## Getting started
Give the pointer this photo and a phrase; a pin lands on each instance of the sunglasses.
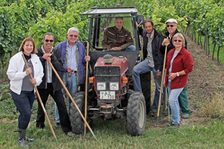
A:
(177, 40)
(73, 35)
(49, 40)
(170, 26)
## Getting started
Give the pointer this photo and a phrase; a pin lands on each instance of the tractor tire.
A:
(136, 114)
(75, 118)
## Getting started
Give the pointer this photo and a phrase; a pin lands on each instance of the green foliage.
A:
(159, 11)
(204, 17)
(58, 22)
(15, 21)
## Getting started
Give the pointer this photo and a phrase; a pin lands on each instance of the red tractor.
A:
(110, 86)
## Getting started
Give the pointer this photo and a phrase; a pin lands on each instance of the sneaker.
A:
(23, 143)
(58, 124)
(29, 139)
(40, 125)
(70, 134)
(173, 125)
(185, 115)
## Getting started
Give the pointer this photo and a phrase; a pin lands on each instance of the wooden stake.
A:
(161, 84)
(73, 101)
(86, 87)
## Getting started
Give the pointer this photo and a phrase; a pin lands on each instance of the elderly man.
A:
(50, 85)
(171, 25)
(71, 55)
(117, 37)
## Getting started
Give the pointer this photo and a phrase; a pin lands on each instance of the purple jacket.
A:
(60, 53)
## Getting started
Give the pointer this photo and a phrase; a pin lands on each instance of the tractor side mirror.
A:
(140, 19)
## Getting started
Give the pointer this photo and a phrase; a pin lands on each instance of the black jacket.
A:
(156, 47)
(55, 82)
(171, 46)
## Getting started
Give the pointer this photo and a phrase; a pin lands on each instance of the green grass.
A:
(111, 134)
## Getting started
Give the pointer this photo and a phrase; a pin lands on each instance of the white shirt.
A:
(49, 69)
(16, 74)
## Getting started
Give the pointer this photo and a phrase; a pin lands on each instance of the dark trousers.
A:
(24, 103)
(183, 101)
(59, 99)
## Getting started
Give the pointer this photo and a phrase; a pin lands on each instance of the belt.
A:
(73, 71)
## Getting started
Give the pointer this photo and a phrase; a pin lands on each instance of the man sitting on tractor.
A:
(118, 38)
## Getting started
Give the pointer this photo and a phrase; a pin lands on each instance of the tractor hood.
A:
(111, 61)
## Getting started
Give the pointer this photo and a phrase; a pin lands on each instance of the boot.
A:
(22, 138)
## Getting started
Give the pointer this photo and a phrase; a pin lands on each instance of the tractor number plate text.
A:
(107, 94)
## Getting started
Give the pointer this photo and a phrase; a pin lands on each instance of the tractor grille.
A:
(107, 71)
(107, 75)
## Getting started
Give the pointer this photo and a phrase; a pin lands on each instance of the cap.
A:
(171, 21)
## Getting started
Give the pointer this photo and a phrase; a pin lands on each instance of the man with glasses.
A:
(71, 56)
(171, 26)
(50, 86)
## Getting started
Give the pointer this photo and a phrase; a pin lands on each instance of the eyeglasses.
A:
(73, 35)
(170, 26)
(177, 40)
(49, 40)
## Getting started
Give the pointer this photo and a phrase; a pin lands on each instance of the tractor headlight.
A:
(101, 86)
(114, 86)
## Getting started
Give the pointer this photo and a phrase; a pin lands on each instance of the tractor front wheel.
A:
(75, 117)
(136, 114)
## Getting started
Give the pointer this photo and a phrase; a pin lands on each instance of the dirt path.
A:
(206, 79)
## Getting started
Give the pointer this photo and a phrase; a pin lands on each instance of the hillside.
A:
(207, 78)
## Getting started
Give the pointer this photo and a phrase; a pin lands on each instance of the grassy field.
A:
(112, 134)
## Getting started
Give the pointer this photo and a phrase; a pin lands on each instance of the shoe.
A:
(185, 115)
(165, 113)
(70, 134)
(29, 139)
(173, 125)
(58, 124)
(23, 143)
(153, 113)
(40, 125)
(22, 138)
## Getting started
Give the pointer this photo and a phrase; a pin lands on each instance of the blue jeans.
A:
(174, 104)
(24, 103)
(70, 80)
(130, 48)
(138, 69)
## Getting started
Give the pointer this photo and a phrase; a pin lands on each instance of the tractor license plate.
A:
(107, 94)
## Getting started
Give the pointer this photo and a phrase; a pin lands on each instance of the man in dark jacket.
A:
(171, 25)
(51, 85)
(152, 41)
(118, 38)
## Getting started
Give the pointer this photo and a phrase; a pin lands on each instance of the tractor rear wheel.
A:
(75, 117)
(136, 114)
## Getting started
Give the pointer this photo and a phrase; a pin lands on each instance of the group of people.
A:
(179, 62)
(28, 71)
